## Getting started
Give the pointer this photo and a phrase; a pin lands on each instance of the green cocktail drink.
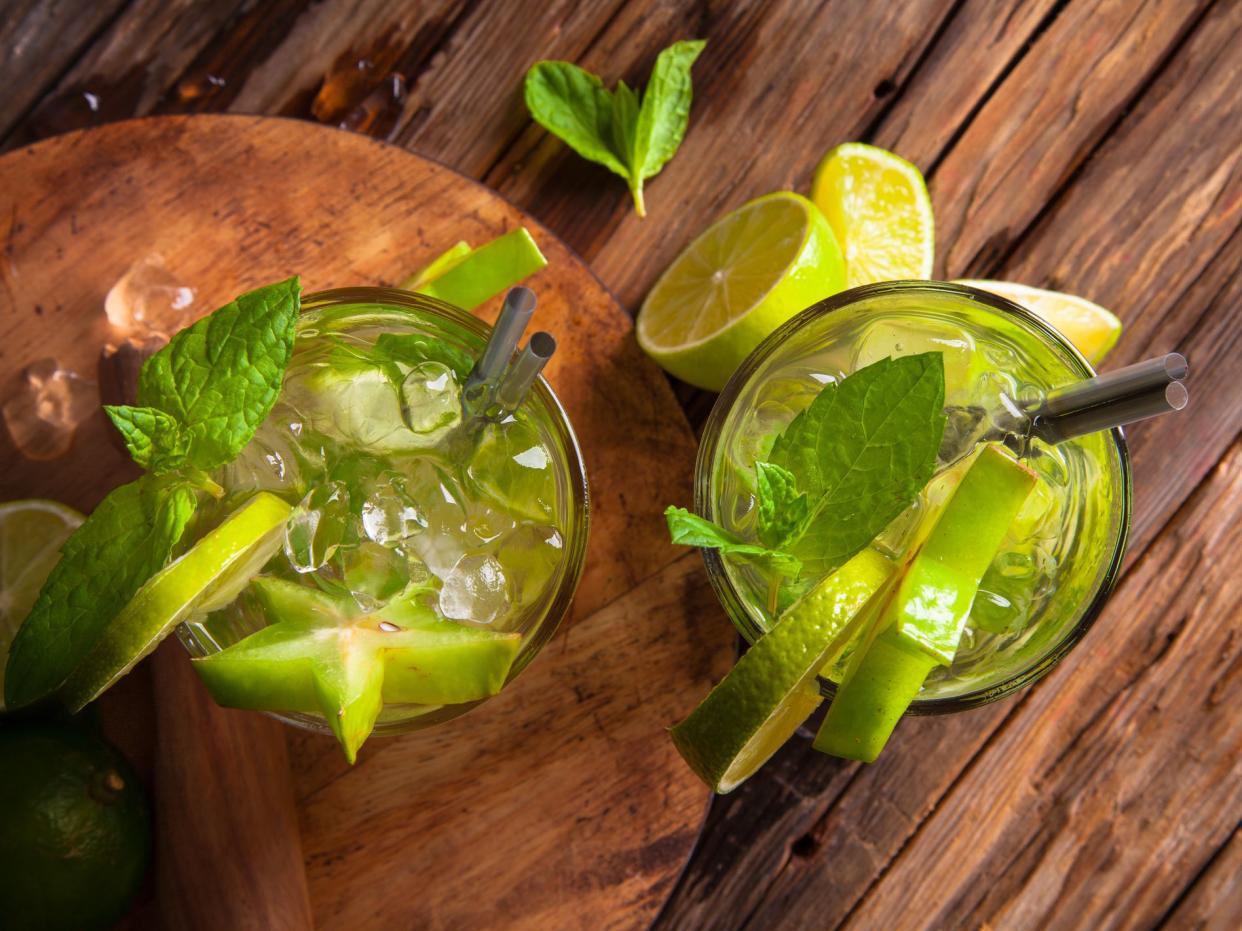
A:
(427, 558)
(1060, 554)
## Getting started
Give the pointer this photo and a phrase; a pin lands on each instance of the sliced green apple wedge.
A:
(924, 621)
(325, 655)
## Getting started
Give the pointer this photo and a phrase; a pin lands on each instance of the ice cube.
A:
(442, 502)
(475, 590)
(373, 573)
(430, 399)
(530, 555)
(50, 403)
(274, 459)
(512, 466)
(149, 300)
(885, 338)
(317, 527)
(389, 515)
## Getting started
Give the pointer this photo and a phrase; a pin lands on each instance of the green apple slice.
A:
(929, 610)
(208, 576)
(325, 655)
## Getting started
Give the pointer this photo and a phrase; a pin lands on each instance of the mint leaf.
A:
(630, 134)
(125, 541)
(220, 377)
(862, 451)
(691, 530)
(154, 439)
(411, 349)
(781, 509)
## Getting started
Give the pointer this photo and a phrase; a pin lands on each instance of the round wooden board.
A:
(559, 804)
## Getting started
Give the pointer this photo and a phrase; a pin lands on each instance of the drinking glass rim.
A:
(735, 605)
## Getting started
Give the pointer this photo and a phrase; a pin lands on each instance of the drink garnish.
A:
(630, 134)
(200, 399)
(467, 277)
(924, 621)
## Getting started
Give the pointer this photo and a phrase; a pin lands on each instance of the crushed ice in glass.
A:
(475, 589)
(317, 527)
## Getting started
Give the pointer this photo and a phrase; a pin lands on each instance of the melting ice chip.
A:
(389, 515)
(47, 409)
(475, 589)
(317, 527)
(148, 300)
(430, 399)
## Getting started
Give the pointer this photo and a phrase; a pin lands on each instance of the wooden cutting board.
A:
(559, 804)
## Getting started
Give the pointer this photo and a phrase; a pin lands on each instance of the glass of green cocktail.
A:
(1061, 553)
(442, 550)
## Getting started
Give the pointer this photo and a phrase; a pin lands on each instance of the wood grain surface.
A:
(566, 780)
(1088, 145)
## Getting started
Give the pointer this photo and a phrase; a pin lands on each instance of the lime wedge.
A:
(772, 689)
(742, 278)
(879, 208)
(929, 609)
(31, 535)
(469, 280)
(208, 576)
(1092, 329)
(447, 259)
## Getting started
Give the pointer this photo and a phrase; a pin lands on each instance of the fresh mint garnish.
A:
(630, 134)
(862, 450)
(217, 380)
(782, 509)
(842, 470)
(125, 541)
(200, 399)
(691, 530)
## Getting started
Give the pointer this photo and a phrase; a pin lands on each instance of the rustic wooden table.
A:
(1086, 145)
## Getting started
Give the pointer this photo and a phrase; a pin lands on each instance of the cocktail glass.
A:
(391, 486)
(1045, 588)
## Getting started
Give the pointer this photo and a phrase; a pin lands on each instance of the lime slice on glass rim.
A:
(742, 278)
(880, 211)
(769, 693)
(31, 535)
(207, 576)
(1093, 330)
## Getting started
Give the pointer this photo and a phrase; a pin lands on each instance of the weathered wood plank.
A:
(1104, 792)
(38, 40)
(1043, 121)
(1214, 902)
(775, 88)
(793, 822)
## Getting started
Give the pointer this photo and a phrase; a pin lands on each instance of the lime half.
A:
(772, 689)
(1092, 329)
(31, 535)
(879, 208)
(208, 576)
(746, 275)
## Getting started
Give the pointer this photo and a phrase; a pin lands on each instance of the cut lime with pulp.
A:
(879, 208)
(1092, 329)
(929, 609)
(741, 279)
(772, 689)
(208, 576)
(31, 535)
(468, 279)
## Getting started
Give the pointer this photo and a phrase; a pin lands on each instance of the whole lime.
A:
(75, 830)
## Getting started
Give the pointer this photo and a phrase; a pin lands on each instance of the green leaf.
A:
(411, 349)
(154, 439)
(691, 530)
(781, 508)
(862, 451)
(127, 539)
(574, 106)
(633, 138)
(220, 377)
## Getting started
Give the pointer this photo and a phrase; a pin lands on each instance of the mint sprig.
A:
(631, 134)
(125, 541)
(842, 470)
(200, 400)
